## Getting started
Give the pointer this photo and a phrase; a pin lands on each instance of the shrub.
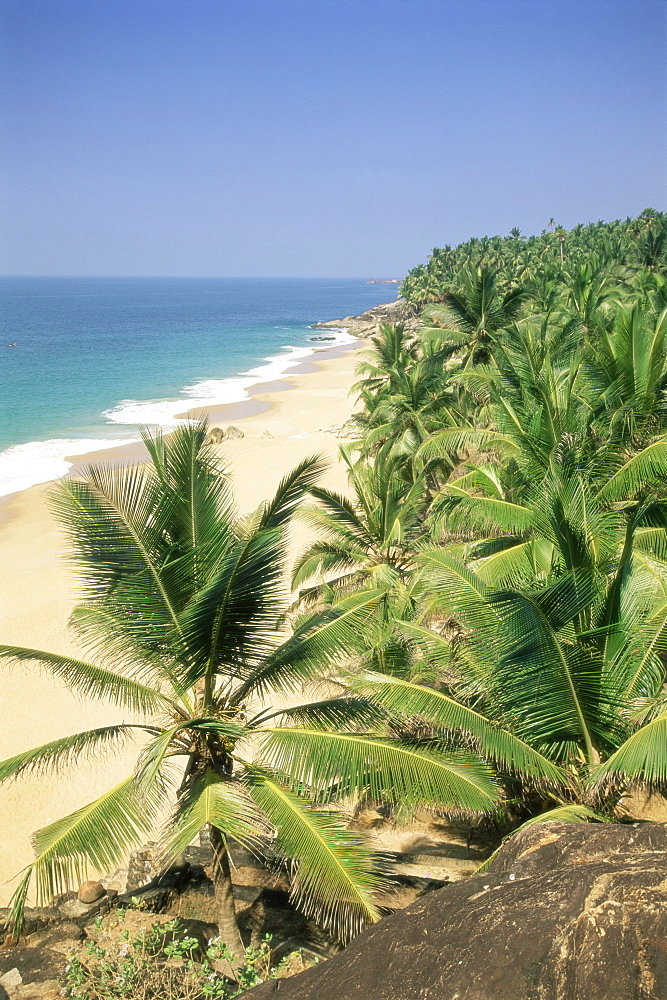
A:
(163, 963)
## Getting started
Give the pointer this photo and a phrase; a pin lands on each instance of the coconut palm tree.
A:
(589, 699)
(474, 311)
(558, 523)
(183, 601)
(370, 539)
(393, 350)
(624, 377)
(650, 250)
(415, 403)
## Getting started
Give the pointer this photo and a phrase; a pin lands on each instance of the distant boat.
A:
(12, 345)
(386, 281)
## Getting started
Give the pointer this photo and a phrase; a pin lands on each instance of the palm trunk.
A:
(228, 926)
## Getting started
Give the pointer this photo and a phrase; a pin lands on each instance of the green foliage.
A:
(539, 577)
(184, 602)
(541, 262)
(491, 598)
(163, 963)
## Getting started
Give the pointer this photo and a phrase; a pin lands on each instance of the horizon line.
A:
(214, 277)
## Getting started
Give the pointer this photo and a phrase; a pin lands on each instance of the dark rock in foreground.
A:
(567, 911)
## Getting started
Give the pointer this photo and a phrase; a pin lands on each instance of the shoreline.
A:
(31, 463)
(284, 421)
(219, 413)
(43, 459)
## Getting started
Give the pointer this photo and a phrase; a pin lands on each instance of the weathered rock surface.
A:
(11, 978)
(566, 912)
(30, 972)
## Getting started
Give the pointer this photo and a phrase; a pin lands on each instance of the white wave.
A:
(215, 392)
(25, 465)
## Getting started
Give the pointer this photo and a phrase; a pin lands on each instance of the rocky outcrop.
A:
(367, 324)
(566, 911)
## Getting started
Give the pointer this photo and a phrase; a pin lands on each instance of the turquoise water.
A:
(97, 357)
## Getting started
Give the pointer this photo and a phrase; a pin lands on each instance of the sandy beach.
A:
(282, 423)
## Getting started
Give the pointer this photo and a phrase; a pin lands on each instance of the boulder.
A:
(218, 434)
(233, 433)
(566, 911)
(90, 892)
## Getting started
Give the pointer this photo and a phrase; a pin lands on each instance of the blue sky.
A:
(318, 137)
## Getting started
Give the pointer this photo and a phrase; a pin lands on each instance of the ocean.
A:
(96, 358)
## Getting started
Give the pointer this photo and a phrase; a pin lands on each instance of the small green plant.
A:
(163, 963)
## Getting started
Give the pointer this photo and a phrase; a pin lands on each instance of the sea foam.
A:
(25, 465)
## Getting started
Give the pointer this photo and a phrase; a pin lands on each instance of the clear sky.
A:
(318, 137)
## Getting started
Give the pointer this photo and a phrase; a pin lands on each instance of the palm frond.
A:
(549, 686)
(512, 566)
(196, 509)
(384, 770)
(409, 699)
(452, 440)
(291, 491)
(212, 799)
(325, 557)
(62, 753)
(316, 645)
(96, 836)
(329, 713)
(641, 760)
(92, 681)
(485, 513)
(459, 590)
(651, 463)
(233, 617)
(334, 876)
(115, 522)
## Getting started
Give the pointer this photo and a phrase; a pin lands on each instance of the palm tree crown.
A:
(183, 606)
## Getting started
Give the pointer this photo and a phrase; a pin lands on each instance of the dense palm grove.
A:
(488, 601)
(527, 414)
